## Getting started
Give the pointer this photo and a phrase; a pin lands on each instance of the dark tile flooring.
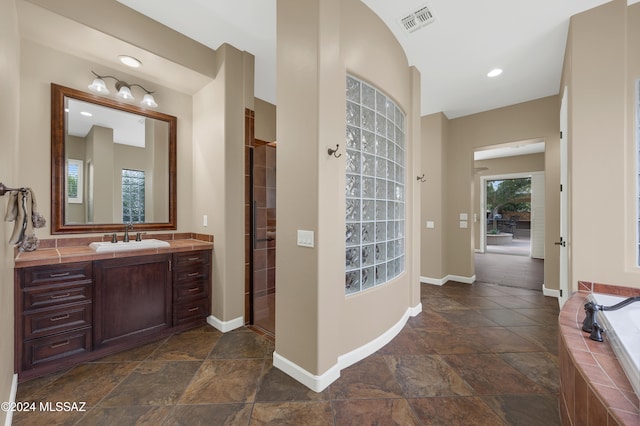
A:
(478, 354)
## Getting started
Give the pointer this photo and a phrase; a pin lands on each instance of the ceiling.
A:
(510, 149)
(453, 53)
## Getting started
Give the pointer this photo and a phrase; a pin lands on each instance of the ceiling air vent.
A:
(417, 19)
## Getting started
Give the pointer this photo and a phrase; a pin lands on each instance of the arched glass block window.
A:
(375, 188)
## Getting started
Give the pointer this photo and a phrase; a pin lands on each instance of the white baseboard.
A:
(12, 398)
(319, 383)
(552, 292)
(442, 281)
(225, 326)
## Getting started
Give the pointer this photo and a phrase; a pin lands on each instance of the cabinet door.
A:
(132, 298)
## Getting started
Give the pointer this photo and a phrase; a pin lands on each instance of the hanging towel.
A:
(23, 210)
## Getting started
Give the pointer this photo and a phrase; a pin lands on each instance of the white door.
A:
(537, 215)
(564, 202)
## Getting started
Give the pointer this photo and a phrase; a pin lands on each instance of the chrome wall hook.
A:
(334, 151)
(421, 178)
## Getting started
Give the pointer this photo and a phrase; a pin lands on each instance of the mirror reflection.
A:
(116, 166)
(112, 163)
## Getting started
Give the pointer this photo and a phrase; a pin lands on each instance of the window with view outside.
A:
(74, 181)
(375, 188)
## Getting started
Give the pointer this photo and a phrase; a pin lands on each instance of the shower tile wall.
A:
(249, 120)
(264, 195)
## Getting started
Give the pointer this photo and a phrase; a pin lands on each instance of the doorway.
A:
(263, 236)
(495, 263)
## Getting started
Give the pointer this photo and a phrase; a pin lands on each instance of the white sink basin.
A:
(107, 247)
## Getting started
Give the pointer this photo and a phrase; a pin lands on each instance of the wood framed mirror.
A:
(111, 163)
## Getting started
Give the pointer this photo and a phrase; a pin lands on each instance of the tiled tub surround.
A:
(65, 250)
(594, 388)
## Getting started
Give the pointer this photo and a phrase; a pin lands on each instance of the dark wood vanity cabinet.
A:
(55, 307)
(132, 298)
(191, 284)
(74, 312)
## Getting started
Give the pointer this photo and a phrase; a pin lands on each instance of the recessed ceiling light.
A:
(494, 72)
(130, 61)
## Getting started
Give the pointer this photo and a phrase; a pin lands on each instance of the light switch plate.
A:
(305, 238)
(430, 224)
(464, 224)
(464, 216)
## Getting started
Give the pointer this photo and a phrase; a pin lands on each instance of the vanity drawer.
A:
(191, 259)
(46, 296)
(192, 274)
(46, 349)
(194, 290)
(189, 311)
(58, 273)
(57, 320)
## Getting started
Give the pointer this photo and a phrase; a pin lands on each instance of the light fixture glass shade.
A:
(125, 93)
(148, 101)
(99, 86)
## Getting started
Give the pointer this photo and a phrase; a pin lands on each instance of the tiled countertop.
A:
(65, 250)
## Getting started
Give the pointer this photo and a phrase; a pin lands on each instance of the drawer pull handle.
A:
(60, 318)
(193, 309)
(191, 290)
(57, 345)
(193, 274)
(193, 259)
(61, 274)
(60, 296)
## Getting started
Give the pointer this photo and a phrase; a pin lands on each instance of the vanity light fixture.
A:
(123, 88)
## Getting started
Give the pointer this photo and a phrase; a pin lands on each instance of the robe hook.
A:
(421, 178)
(334, 151)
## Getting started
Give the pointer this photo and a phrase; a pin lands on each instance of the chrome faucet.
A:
(127, 227)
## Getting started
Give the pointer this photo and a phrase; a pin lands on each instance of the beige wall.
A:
(538, 119)
(432, 240)
(601, 68)
(218, 175)
(9, 87)
(265, 121)
(315, 322)
(501, 166)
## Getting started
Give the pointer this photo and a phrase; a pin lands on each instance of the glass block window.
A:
(375, 188)
(132, 196)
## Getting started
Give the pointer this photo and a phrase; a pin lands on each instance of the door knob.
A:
(562, 242)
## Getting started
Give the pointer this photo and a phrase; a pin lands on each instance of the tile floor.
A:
(478, 354)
